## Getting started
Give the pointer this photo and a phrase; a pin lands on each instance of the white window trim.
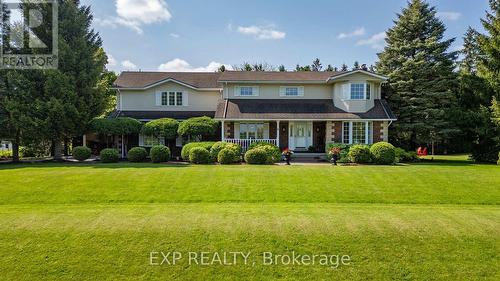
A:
(349, 98)
(300, 91)
(255, 91)
(160, 98)
(368, 137)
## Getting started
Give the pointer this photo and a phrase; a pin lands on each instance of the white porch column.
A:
(123, 146)
(223, 134)
(278, 132)
(84, 140)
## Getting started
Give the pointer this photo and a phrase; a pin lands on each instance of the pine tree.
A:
(330, 68)
(421, 76)
(344, 67)
(316, 65)
(356, 65)
(281, 68)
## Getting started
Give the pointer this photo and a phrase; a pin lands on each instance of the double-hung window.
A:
(251, 131)
(246, 91)
(360, 91)
(291, 91)
(357, 133)
(172, 98)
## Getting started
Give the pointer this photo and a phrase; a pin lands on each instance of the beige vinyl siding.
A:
(272, 91)
(138, 100)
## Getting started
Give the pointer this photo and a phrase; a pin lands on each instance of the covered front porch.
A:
(297, 135)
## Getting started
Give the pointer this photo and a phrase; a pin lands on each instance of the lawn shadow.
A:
(94, 165)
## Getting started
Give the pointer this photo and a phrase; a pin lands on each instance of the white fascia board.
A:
(333, 78)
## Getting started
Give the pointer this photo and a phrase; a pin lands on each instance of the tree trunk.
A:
(58, 150)
(15, 148)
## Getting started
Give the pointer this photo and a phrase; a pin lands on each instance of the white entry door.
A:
(300, 135)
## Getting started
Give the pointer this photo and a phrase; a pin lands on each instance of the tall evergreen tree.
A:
(316, 65)
(330, 68)
(421, 76)
(281, 68)
(344, 67)
(355, 66)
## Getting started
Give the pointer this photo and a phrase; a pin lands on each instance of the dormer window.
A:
(357, 91)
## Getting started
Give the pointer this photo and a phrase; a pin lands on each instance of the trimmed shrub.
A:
(403, 156)
(5, 154)
(115, 126)
(228, 156)
(159, 154)
(219, 146)
(359, 154)
(257, 156)
(186, 148)
(274, 152)
(198, 126)
(165, 127)
(199, 155)
(110, 155)
(137, 154)
(383, 153)
(81, 153)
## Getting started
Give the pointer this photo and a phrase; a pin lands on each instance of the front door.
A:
(300, 135)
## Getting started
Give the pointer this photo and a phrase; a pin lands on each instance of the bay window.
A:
(357, 132)
(360, 91)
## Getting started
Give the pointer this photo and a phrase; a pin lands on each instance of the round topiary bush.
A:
(383, 153)
(359, 154)
(81, 153)
(273, 152)
(187, 147)
(228, 156)
(219, 146)
(257, 156)
(159, 154)
(199, 155)
(137, 154)
(110, 155)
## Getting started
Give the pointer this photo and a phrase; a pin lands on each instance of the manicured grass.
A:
(428, 221)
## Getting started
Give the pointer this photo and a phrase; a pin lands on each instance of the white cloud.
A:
(261, 32)
(174, 35)
(180, 65)
(135, 13)
(128, 65)
(451, 16)
(358, 32)
(376, 41)
(111, 61)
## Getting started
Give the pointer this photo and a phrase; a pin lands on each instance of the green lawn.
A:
(436, 220)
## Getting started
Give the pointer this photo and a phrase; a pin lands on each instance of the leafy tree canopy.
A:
(115, 126)
(165, 127)
(198, 126)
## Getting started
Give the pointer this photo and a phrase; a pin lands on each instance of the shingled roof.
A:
(300, 76)
(274, 109)
(140, 80)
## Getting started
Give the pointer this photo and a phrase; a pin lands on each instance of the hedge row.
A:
(381, 153)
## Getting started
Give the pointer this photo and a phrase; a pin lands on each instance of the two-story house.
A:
(298, 110)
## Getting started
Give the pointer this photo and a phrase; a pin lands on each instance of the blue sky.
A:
(199, 35)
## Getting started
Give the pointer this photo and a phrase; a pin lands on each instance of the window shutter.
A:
(301, 91)
(345, 91)
(185, 99)
(282, 91)
(255, 91)
(158, 99)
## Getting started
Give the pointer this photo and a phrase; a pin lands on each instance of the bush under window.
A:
(199, 155)
(137, 154)
(109, 155)
(228, 156)
(219, 146)
(187, 147)
(257, 156)
(274, 153)
(160, 153)
(383, 153)
(359, 154)
(81, 153)
(344, 151)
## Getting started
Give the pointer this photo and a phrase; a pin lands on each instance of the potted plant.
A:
(335, 153)
(287, 154)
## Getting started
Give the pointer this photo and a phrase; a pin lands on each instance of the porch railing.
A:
(245, 144)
